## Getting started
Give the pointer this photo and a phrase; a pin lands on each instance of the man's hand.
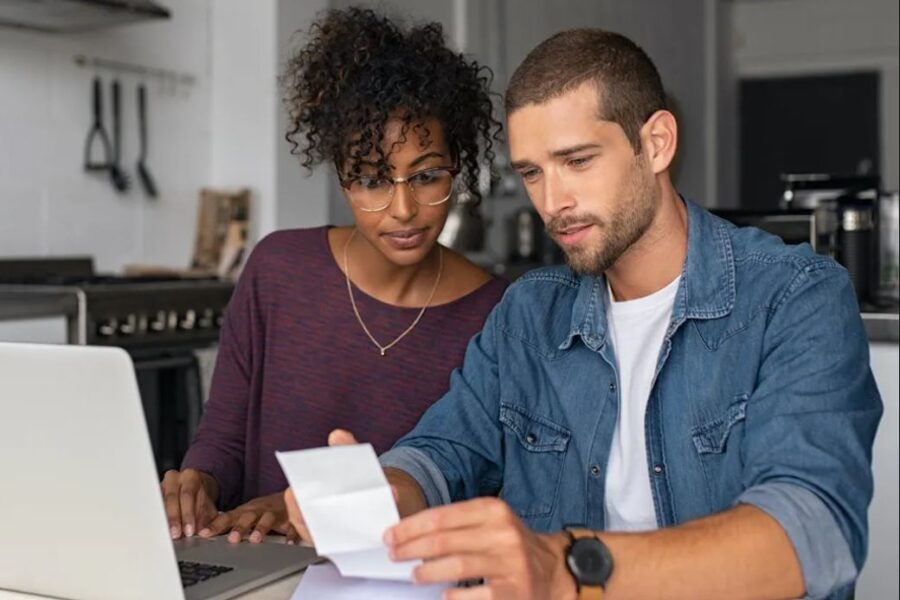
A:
(483, 538)
(253, 521)
(190, 498)
(338, 437)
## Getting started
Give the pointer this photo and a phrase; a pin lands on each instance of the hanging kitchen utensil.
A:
(143, 172)
(120, 179)
(97, 132)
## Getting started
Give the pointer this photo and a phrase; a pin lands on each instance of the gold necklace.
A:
(384, 349)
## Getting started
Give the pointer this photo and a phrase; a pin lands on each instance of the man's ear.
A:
(659, 140)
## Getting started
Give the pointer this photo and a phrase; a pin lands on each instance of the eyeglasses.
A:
(429, 187)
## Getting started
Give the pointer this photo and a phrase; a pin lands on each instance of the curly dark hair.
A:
(359, 68)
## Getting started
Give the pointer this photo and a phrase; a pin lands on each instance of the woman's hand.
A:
(254, 520)
(190, 499)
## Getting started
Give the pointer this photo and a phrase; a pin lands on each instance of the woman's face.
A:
(406, 231)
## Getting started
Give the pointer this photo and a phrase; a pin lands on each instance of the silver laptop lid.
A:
(82, 511)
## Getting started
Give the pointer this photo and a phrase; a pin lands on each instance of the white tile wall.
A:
(48, 204)
(24, 209)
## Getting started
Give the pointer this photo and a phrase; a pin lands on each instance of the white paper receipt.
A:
(347, 504)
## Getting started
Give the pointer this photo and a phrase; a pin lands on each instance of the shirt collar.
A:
(706, 289)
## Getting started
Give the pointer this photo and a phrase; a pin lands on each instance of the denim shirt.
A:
(762, 395)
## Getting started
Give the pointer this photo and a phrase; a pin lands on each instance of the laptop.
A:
(82, 512)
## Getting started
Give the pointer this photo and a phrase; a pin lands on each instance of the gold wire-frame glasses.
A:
(373, 193)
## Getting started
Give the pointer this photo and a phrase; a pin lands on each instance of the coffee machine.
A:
(846, 222)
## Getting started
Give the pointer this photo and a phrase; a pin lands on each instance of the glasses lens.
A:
(432, 186)
(370, 193)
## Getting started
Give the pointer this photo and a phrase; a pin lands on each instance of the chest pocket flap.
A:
(534, 432)
(712, 437)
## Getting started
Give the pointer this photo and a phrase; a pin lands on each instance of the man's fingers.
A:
(293, 509)
(217, 526)
(451, 516)
(296, 517)
(481, 592)
(456, 541)
(458, 567)
(265, 523)
(304, 534)
(341, 437)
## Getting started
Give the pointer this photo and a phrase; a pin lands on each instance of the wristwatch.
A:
(589, 561)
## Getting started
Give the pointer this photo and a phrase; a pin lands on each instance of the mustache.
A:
(557, 225)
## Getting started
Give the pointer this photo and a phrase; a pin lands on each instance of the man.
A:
(696, 398)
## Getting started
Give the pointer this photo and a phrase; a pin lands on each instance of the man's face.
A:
(596, 197)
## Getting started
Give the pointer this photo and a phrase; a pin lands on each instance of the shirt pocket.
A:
(534, 452)
(718, 444)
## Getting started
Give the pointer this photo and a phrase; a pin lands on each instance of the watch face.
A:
(590, 562)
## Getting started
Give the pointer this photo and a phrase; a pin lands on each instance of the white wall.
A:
(251, 41)
(793, 37)
(224, 130)
(48, 204)
(243, 117)
(301, 198)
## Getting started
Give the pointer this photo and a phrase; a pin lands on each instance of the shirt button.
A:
(595, 470)
(531, 438)
(658, 469)
(612, 386)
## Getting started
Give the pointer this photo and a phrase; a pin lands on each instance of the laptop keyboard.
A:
(193, 573)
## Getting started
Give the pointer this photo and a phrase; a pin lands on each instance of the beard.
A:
(631, 218)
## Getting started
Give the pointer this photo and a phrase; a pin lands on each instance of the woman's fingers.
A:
(171, 488)
(242, 526)
(265, 523)
(218, 526)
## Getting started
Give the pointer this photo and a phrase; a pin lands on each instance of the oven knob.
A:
(189, 320)
(220, 318)
(107, 327)
(129, 325)
(172, 320)
(207, 319)
(158, 323)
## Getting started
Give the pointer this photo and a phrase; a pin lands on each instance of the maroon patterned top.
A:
(294, 364)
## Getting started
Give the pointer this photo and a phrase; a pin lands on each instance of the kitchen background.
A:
(760, 87)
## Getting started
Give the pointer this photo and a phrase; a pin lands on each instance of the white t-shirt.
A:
(637, 329)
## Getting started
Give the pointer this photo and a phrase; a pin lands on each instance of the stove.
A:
(131, 312)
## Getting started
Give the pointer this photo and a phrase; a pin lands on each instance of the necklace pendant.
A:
(382, 351)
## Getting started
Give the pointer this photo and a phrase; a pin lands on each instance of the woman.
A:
(348, 327)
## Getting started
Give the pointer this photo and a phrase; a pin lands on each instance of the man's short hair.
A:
(628, 85)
